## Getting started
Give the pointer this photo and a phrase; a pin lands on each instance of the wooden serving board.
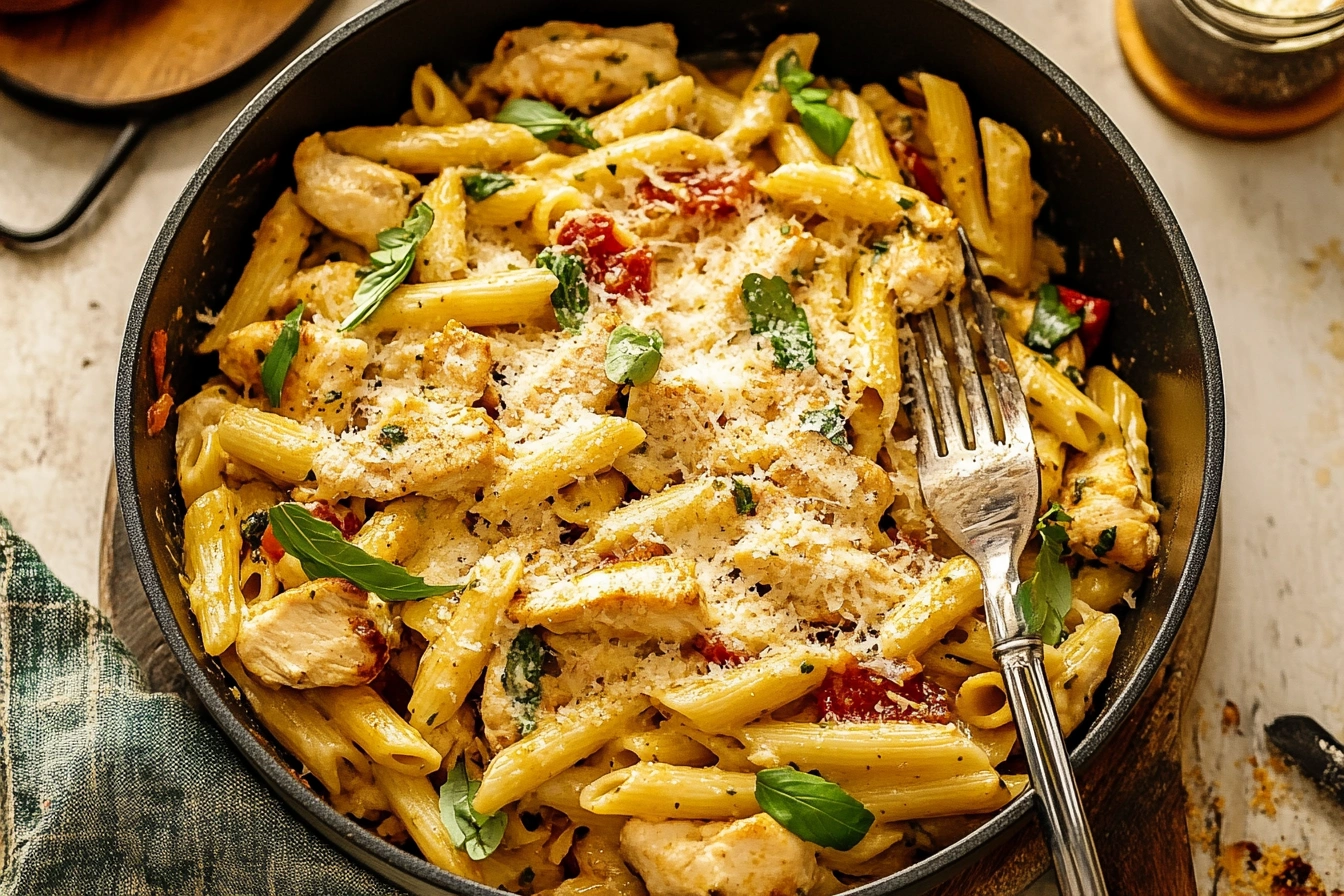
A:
(1133, 789)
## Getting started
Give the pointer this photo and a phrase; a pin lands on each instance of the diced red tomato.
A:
(718, 195)
(340, 517)
(912, 161)
(609, 262)
(859, 694)
(271, 547)
(718, 653)
(162, 407)
(1095, 312)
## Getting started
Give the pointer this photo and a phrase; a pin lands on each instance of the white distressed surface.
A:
(1265, 222)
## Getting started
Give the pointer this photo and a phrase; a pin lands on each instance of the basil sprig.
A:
(570, 298)
(828, 421)
(744, 499)
(324, 553)
(1046, 598)
(484, 184)
(633, 357)
(813, 808)
(773, 312)
(473, 832)
(824, 124)
(276, 366)
(545, 122)
(522, 676)
(390, 264)
(1051, 322)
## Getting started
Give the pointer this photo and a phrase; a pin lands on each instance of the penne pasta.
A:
(658, 790)
(366, 719)
(427, 149)
(211, 545)
(509, 297)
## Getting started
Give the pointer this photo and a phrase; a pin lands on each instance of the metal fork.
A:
(984, 491)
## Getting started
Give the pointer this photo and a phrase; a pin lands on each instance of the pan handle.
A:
(46, 236)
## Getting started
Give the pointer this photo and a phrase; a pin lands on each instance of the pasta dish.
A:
(554, 506)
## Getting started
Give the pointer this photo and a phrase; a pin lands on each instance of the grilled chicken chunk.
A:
(325, 633)
(352, 197)
(754, 856)
(1111, 519)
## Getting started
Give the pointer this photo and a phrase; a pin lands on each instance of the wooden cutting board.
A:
(1133, 789)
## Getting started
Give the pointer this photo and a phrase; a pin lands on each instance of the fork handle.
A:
(1061, 808)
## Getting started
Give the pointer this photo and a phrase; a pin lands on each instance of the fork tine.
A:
(1012, 404)
(917, 392)
(982, 424)
(949, 411)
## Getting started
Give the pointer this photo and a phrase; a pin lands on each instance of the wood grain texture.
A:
(112, 53)
(1133, 790)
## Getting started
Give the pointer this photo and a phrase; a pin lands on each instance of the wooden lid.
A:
(1203, 112)
(114, 58)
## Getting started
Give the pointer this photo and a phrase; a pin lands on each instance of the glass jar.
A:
(1248, 52)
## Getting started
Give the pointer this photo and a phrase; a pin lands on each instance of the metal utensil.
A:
(1316, 752)
(984, 492)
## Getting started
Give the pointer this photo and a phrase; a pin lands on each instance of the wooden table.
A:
(1265, 221)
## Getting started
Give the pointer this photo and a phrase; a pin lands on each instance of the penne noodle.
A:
(426, 149)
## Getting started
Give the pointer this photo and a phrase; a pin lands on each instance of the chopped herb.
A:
(806, 668)
(1078, 485)
(828, 421)
(633, 357)
(474, 832)
(286, 346)
(1046, 598)
(324, 553)
(570, 298)
(651, 79)
(813, 808)
(391, 436)
(391, 262)
(545, 122)
(905, 204)
(773, 312)
(332, 396)
(785, 230)
(485, 184)
(522, 676)
(616, 58)
(611, 168)
(254, 526)
(881, 248)
(873, 177)
(744, 499)
(597, 76)
(1051, 322)
(526, 876)
(1105, 542)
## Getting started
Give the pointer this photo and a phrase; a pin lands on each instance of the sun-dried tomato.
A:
(859, 694)
(718, 195)
(162, 407)
(718, 653)
(271, 546)
(340, 517)
(912, 161)
(608, 261)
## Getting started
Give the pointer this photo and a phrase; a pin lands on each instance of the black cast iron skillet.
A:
(1161, 330)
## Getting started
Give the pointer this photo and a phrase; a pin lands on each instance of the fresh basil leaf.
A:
(391, 436)
(1105, 542)
(633, 357)
(790, 74)
(324, 553)
(473, 832)
(522, 676)
(545, 122)
(484, 184)
(828, 421)
(812, 808)
(743, 498)
(1051, 322)
(826, 126)
(773, 312)
(390, 264)
(1046, 598)
(276, 366)
(570, 298)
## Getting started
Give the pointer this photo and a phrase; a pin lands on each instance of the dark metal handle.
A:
(36, 239)
(1062, 816)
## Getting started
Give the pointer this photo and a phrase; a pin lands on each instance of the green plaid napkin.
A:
(106, 788)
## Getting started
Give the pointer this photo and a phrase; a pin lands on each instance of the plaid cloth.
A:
(106, 788)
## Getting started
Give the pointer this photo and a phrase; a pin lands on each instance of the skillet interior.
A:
(1161, 331)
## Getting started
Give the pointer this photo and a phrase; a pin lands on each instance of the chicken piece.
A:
(325, 370)
(547, 388)
(582, 66)
(325, 633)
(418, 447)
(851, 491)
(656, 598)
(352, 197)
(327, 290)
(454, 363)
(1102, 495)
(921, 269)
(753, 856)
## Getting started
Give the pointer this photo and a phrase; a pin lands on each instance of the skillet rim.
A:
(352, 837)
